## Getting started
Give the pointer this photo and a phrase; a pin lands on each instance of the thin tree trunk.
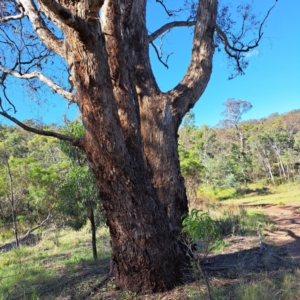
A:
(93, 229)
(12, 204)
(265, 163)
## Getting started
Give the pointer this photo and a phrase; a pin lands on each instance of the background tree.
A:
(233, 112)
(189, 145)
(8, 189)
(79, 200)
(79, 196)
(131, 127)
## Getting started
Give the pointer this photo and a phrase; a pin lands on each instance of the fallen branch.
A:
(28, 237)
(49, 217)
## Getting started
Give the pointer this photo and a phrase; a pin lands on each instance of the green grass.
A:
(282, 286)
(45, 271)
(254, 194)
(30, 271)
(239, 213)
(237, 220)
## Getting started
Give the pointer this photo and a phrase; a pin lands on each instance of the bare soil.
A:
(245, 258)
(287, 234)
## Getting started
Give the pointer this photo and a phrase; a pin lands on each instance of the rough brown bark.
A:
(131, 143)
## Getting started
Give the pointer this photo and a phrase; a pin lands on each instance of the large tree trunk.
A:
(130, 127)
(145, 251)
(131, 140)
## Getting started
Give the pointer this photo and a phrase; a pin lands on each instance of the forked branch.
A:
(159, 55)
(191, 87)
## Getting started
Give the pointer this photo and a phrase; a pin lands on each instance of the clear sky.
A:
(271, 83)
(272, 79)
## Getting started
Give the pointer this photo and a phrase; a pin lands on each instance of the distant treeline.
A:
(235, 153)
(40, 175)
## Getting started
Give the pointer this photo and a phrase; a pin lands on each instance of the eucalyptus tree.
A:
(233, 112)
(130, 125)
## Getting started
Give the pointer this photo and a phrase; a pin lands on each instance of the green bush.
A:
(200, 226)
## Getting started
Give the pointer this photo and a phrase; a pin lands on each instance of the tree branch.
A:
(56, 88)
(75, 141)
(188, 91)
(41, 29)
(169, 12)
(12, 18)
(249, 46)
(62, 13)
(49, 217)
(236, 52)
(160, 55)
(165, 8)
(169, 26)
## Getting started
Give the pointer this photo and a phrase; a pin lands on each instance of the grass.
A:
(254, 194)
(241, 213)
(44, 269)
(237, 220)
(282, 286)
(286, 194)
(61, 264)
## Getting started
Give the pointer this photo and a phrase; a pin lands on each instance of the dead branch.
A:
(43, 223)
(159, 55)
(75, 141)
(56, 88)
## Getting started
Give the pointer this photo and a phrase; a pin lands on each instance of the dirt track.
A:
(287, 233)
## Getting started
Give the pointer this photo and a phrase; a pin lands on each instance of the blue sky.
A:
(272, 79)
(271, 83)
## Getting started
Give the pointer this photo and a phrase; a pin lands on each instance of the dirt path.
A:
(287, 233)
